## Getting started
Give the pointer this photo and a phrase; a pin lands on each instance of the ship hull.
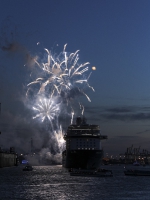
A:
(84, 159)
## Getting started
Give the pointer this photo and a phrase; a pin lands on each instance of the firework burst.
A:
(46, 108)
(62, 76)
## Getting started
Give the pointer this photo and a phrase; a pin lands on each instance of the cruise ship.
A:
(83, 146)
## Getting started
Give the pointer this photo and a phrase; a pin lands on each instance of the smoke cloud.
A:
(16, 124)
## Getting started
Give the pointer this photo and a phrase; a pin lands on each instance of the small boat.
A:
(140, 171)
(91, 173)
(136, 163)
(28, 168)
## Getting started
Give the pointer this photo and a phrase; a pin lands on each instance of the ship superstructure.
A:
(83, 146)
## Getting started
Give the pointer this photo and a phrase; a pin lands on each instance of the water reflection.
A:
(54, 182)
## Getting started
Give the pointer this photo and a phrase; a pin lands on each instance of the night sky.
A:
(113, 35)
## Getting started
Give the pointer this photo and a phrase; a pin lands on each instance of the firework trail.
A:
(59, 137)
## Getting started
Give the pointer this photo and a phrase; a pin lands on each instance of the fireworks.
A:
(46, 109)
(62, 76)
(93, 68)
(60, 79)
(59, 137)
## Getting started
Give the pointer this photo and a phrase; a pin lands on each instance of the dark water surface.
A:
(54, 182)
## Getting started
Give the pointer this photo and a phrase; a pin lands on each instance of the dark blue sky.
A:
(112, 35)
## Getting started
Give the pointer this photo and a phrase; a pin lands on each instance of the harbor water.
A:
(54, 182)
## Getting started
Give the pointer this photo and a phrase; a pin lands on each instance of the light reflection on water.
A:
(54, 182)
